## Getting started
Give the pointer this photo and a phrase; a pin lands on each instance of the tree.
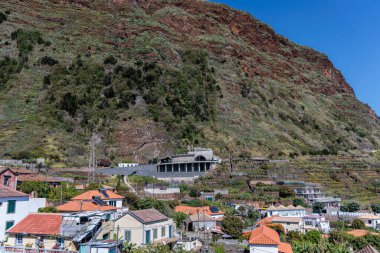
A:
(178, 218)
(313, 236)
(253, 215)
(232, 225)
(40, 189)
(293, 236)
(375, 208)
(286, 192)
(351, 206)
(48, 209)
(358, 224)
(194, 194)
(317, 207)
(299, 202)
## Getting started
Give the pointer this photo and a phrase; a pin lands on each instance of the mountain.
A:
(152, 77)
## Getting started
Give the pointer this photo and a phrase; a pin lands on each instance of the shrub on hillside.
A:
(110, 60)
(358, 224)
(47, 60)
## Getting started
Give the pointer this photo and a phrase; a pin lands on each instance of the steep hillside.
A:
(151, 77)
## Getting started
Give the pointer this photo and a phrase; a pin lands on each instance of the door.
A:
(147, 237)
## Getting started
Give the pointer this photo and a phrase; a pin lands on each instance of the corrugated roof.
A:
(368, 249)
(9, 192)
(148, 215)
(38, 224)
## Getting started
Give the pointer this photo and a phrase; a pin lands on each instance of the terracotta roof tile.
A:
(76, 206)
(264, 236)
(38, 224)
(193, 210)
(284, 248)
(9, 192)
(360, 232)
(286, 219)
(148, 215)
(89, 194)
(266, 220)
(39, 178)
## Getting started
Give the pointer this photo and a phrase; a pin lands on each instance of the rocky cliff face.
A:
(186, 73)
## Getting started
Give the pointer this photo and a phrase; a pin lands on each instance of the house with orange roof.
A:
(93, 200)
(211, 211)
(267, 240)
(58, 231)
(106, 195)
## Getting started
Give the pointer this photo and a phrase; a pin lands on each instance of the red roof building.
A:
(93, 200)
(103, 194)
(204, 209)
(83, 206)
(264, 239)
(38, 224)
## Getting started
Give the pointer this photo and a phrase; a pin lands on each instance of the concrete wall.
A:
(292, 226)
(287, 213)
(24, 206)
(162, 191)
(202, 225)
(263, 249)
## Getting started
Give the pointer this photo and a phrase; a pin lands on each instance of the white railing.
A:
(20, 249)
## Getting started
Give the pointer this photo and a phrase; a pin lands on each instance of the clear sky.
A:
(348, 31)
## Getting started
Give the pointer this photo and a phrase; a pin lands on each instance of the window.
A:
(6, 180)
(106, 236)
(155, 234)
(11, 206)
(209, 198)
(163, 232)
(18, 239)
(170, 231)
(112, 203)
(127, 235)
(9, 224)
(60, 242)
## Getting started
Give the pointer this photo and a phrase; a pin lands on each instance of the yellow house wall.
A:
(127, 222)
(31, 240)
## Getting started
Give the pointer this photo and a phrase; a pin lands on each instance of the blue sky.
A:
(348, 31)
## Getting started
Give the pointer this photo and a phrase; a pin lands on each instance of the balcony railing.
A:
(20, 249)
